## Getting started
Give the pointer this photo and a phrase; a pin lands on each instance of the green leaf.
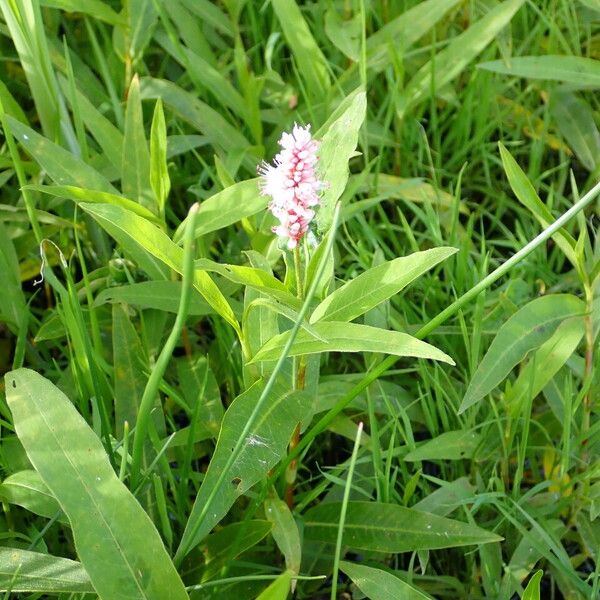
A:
(160, 295)
(404, 30)
(26, 489)
(575, 121)
(222, 547)
(545, 363)
(451, 61)
(115, 539)
(527, 195)
(390, 528)
(577, 70)
(204, 118)
(526, 330)
(312, 65)
(337, 147)
(13, 307)
(376, 285)
(265, 445)
(135, 169)
(78, 194)
(95, 8)
(24, 571)
(151, 244)
(257, 279)
(285, 532)
(279, 589)
(225, 208)
(532, 591)
(450, 445)
(381, 585)
(62, 167)
(350, 337)
(159, 171)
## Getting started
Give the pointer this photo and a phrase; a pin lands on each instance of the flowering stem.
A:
(300, 374)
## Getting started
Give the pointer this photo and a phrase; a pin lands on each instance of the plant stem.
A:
(300, 374)
(151, 389)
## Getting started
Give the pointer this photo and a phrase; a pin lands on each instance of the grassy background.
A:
(232, 76)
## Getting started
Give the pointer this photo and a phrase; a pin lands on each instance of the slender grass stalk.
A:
(151, 390)
(346, 498)
(185, 548)
(438, 320)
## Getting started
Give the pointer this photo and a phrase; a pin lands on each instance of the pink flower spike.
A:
(292, 183)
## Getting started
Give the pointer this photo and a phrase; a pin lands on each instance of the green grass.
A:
(189, 410)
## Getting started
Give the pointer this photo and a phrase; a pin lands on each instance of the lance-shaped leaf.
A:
(390, 528)
(526, 330)
(265, 445)
(350, 337)
(376, 285)
(147, 242)
(381, 585)
(339, 144)
(567, 69)
(115, 539)
(24, 571)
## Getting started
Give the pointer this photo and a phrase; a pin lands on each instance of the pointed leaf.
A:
(381, 585)
(378, 527)
(450, 445)
(526, 330)
(376, 285)
(263, 448)
(115, 539)
(350, 337)
(25, 571)
(146, 240)
(577, 70)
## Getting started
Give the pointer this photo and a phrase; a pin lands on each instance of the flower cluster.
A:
(292, 184)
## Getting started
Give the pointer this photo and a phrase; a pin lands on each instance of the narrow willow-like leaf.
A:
(376, 285)
(545, 363)
(62, 167)
(159, 171)
(527, 195)
(574, 119)
(263, 448)
(134, 232)
(337, 147)
(451, 61)
(285, 532)
(78, 194)
(115, 539)
(135, 169)
(526, 330)
(161, 295)
(225, 208)
(576, 70)
(350, 337)
(390, 528)
(450, 445)
(381, 585)
(25, 571)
